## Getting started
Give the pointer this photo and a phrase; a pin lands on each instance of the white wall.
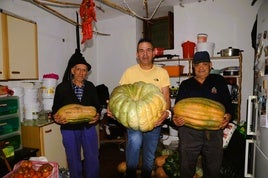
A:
(227, 23)
(115, 52)
(56, 38)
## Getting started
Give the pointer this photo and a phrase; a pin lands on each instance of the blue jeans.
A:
(147, 141)
(86, 138)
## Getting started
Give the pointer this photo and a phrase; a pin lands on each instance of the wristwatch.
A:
(169, 114)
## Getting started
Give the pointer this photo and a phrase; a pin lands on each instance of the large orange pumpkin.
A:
(200, 113)
(75, 113)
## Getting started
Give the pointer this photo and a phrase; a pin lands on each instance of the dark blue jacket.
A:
(214, 88)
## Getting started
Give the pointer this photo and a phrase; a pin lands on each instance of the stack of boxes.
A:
(10, 127)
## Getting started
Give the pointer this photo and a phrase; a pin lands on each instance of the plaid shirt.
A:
(78, 91)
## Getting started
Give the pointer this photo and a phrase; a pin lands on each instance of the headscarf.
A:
(76, 58)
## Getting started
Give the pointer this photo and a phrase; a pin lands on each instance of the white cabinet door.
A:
(22, 48)
(52, 144)
(3, 72)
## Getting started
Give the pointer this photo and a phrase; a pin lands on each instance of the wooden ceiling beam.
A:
(62, 3)
(115, 6)
(54, 12)
(146, 8)
(61, 16)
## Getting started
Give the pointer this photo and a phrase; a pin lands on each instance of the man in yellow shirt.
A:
(147, 72)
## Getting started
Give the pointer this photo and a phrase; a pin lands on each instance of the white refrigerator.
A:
(256, 154)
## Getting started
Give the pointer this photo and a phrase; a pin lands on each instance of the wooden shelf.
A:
(216, 60)
(176, 58)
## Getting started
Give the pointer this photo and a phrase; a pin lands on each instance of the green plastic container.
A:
(14, 141)
(9, 105)
(9, 124)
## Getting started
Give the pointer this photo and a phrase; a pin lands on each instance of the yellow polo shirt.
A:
(157, 76)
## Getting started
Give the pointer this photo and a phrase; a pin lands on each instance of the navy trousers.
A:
(208, 144)
(73, 141)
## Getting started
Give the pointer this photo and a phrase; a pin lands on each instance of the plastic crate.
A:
(13, 140)
(9, 105)
(174, 71)
(9, 124)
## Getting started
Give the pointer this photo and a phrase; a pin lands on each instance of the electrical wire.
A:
(140, 17)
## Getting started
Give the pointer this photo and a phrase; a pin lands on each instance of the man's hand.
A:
(95, 119)
(226, 119)
(59, 119)
(110, 114)
(163, 117)
(178, 121)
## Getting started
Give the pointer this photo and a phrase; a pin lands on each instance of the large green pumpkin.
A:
(138, 105)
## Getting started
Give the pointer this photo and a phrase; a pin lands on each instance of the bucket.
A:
(30, 96)
(201, 37)
(19, 91)
(47, 103)
(48, 87)
(207, 46)
(174, 71)
(188, 49)
(32, 111)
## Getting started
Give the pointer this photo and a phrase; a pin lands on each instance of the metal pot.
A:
(230, 52)
(215, 71)
(231, 71)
